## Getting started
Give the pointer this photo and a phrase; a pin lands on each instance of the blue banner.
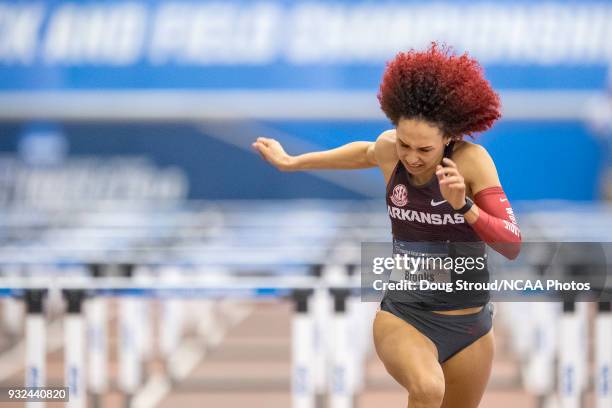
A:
(68, 45)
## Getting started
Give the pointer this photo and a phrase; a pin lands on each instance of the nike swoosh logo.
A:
(437, 203)
(503, 199)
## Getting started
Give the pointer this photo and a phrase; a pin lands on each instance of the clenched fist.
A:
(272, 151)
(452, 183)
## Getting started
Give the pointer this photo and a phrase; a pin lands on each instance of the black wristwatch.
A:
(468, 204)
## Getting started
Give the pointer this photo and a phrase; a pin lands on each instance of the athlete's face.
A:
(420, 146)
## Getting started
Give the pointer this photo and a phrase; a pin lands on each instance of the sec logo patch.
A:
(400, 195)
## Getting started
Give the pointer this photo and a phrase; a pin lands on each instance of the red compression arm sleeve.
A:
(496, 224)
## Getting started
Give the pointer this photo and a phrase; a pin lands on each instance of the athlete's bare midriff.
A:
(469, 310)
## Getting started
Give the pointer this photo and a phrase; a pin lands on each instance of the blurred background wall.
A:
(184, 87)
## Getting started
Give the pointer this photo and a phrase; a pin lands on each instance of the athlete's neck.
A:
(422, 178)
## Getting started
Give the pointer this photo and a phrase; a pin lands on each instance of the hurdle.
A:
(35, 332)
(186, 239)
(603, 355)
(74, 334)
(97, 344)
(300, 291)
(583, 225)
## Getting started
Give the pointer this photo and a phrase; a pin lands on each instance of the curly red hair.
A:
(441, 88)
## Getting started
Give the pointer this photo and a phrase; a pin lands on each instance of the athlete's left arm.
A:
(491, 216)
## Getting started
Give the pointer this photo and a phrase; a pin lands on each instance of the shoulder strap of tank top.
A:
(448, 150)
(393, 175)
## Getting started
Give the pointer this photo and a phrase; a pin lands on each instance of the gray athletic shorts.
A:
(450, 333)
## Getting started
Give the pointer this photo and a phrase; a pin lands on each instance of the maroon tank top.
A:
(420, 213)
(424, 224)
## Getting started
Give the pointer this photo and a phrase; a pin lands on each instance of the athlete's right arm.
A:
(354, 155)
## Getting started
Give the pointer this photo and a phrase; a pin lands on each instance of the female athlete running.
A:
(444, 198)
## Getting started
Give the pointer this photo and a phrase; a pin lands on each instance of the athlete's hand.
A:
(452, 184)
(272, 151)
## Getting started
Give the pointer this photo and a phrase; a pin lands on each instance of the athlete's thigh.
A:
(467, 373)
(409, 356)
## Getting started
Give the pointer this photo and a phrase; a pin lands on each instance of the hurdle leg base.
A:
(95, 400)
(321, 401)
